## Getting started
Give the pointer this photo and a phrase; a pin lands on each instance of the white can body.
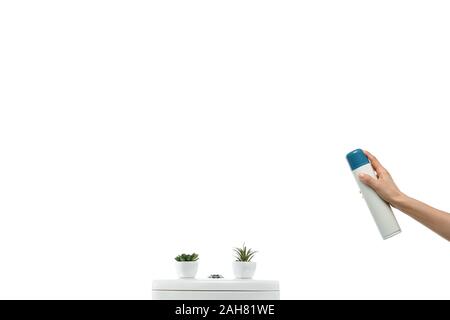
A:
(381, 211)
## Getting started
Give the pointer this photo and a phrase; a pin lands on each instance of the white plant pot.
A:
(244, 270)
(186, 269)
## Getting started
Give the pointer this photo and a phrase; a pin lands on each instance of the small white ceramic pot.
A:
(244, 270)
(186, 269)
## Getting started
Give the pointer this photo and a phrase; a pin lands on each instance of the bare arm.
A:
(434, 219)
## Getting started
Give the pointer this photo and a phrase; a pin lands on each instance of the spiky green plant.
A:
(244, 254)
(187, 257)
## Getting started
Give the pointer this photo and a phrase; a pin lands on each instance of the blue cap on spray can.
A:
(357, 158)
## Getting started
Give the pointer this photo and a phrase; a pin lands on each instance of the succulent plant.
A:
(244, 254)
(187, 257)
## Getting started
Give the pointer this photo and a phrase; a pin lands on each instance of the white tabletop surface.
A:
(215, 285)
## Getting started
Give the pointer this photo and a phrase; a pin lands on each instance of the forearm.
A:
(434, 219)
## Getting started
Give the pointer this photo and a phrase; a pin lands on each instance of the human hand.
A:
(384, 185)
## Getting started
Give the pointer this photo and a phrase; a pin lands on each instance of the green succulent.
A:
(244, 254)
(187, 257)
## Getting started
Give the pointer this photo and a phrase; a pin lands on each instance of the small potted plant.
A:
(244, 267)
(186, 265)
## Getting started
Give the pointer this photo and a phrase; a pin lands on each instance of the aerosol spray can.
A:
(381, 211)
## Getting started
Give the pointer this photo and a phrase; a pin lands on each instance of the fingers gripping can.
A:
(380, 209)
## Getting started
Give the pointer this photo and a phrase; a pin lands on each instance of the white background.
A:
(131, 131)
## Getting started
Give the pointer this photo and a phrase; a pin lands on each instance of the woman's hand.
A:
(384, 186)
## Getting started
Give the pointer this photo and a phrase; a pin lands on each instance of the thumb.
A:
(368, 180)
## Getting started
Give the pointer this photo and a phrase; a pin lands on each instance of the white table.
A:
(215, 289)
